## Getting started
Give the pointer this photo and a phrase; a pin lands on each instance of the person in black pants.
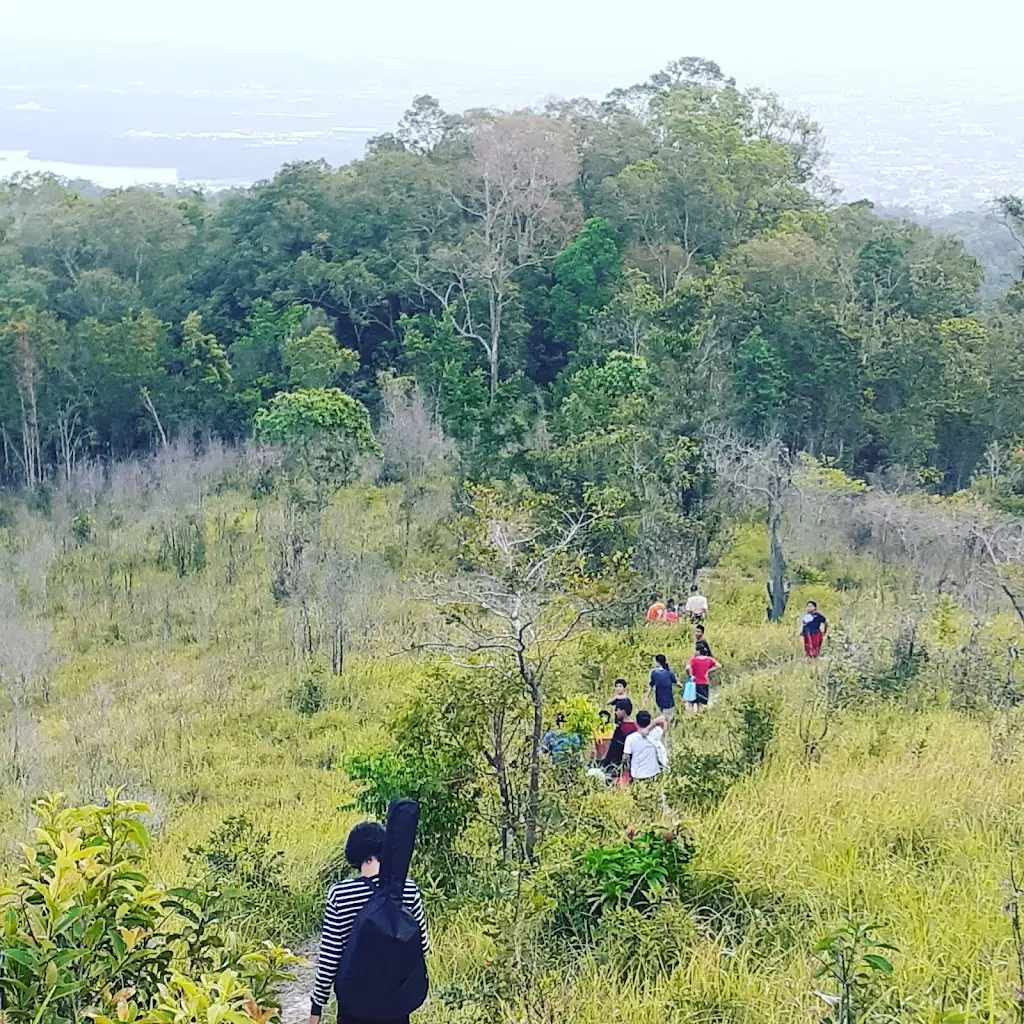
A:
(345, 899)
(612, 760)
(663, 686)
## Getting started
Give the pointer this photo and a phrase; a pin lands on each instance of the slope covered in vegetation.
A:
(879, 787)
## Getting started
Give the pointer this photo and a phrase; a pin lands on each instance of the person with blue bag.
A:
(690, 691)
(374, 945)
(700, 667)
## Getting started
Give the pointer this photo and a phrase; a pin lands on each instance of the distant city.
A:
(935, 149)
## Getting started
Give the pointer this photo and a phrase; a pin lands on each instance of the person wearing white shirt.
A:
(696, 604)
(644, 754)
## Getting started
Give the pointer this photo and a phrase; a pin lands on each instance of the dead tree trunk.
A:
(533, 794)
(779, 590)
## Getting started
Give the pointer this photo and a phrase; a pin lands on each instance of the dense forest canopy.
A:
(560, 284)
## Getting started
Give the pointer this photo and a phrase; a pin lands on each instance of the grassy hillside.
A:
(889, 793)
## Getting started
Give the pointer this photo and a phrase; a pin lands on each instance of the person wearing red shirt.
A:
(701, 665)
(612, 760)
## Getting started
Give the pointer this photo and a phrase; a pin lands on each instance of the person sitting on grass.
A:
(345, 899)
(560, 745)
(656, 612)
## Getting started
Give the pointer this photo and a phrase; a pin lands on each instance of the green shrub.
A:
(237, 863)
(850, 960)
(83, 526)
(637, 871)
(755, 716)
(85, 930)
(309, 697)
(442, 784)
(183, 545)
(700, 779)
(432, 758)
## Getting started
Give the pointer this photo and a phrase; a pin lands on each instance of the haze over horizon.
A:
(919, 108)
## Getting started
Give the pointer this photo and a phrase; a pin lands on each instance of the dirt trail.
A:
(295, 994)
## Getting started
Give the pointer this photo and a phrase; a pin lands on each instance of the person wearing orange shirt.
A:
(656, 613)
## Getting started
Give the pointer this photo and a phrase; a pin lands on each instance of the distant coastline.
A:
(14, 162)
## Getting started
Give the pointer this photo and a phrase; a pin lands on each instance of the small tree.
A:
(315, 361)
(324, 431)
(525, 589)
(87, 934)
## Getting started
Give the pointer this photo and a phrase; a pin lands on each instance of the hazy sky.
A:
(746, 36)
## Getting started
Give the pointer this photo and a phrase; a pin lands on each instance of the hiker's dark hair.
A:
(620, 682)
(366, 840)
(643, 719)
(625, 704)
(661, 660)
(703, 648)
(694, 589)
(815, 603)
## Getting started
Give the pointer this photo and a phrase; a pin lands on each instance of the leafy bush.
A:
(580, 717)
(237, 863)
(87, 934)
(637, 871)
(904, 657)
(985, 678)
(755, 715)
(83, 526)
(700, 779)
(888, 669)
(850, 960)
(430, 758)
(183, 545)
(308, 697)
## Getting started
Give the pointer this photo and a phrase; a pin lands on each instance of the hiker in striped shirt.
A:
(344, 901)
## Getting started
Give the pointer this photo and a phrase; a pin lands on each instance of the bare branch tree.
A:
(412, 441)
(519, 207)
(761, 475)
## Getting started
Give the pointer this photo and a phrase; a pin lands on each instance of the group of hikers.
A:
(374, 942)
(629, 750)
(634, 751)
(695, 609)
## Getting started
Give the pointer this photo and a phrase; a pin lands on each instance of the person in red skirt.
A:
(813, 627)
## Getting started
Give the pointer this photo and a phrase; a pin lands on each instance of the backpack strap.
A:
(403, 817)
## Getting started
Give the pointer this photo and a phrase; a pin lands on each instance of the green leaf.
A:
(879, 963)
(20, 955)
